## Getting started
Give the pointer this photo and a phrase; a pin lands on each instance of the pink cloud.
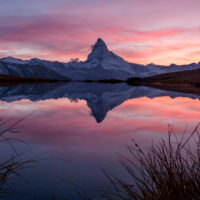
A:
(141, 32)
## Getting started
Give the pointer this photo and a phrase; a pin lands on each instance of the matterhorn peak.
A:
(100, 43)
(99, 50)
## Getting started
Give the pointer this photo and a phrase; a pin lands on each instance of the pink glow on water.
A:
(67, 127)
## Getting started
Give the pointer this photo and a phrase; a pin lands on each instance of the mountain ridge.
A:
(101, 64)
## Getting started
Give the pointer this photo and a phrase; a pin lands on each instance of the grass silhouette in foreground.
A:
(168, 170)
(13, 165)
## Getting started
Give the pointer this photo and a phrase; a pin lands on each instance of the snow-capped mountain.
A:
(100, 55)
(13, 60)
(101, 64)
(30, 71)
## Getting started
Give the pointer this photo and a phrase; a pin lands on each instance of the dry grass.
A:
(8, 169)
(14, 165)
(169, 170)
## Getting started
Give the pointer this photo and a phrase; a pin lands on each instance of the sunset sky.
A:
(141, 31)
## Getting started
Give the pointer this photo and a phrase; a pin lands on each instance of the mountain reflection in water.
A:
(100, 98)
(62, 127)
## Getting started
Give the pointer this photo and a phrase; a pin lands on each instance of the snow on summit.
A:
(99, 51)
(101, 64)
(10, 59)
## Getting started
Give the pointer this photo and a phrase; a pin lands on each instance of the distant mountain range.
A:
(101, 64)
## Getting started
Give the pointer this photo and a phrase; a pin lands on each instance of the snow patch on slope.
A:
(100, 64)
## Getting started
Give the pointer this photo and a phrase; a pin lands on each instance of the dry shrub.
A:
(169, 170)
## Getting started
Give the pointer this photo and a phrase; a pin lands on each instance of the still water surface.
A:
(76, 128)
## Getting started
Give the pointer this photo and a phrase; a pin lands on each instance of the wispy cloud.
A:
(141, 31)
